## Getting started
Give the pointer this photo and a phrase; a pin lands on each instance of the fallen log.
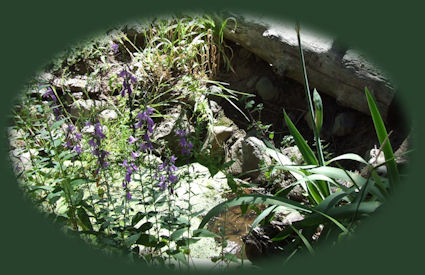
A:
(333, 70)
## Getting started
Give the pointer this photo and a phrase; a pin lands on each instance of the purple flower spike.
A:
(135, 155)
(78, 149)
(173, 159)
(115, 47)
(128, 195)
(132, 139)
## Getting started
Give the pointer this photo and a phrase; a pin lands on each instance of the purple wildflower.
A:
(128, 77)
(128, 195)
(50, 94)
(185, 145)
(78, 149)
(135, 155)
(115, 47)
(72, 139)
(132, 139)
(167, 178)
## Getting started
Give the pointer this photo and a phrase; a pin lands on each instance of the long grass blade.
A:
(382, 134)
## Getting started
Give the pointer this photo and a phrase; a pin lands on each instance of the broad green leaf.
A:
(178, 234)
(180, 257)
(204, 233)
(145, 227)
(130, 240)
(77, 182)
(84, 219)
(137, 218)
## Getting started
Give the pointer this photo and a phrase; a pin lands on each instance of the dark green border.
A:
(390, 33)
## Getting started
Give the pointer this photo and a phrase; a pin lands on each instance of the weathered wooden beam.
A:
(340, 73)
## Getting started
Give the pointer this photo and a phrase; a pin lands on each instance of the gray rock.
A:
(83, 107)
(251, 81)
(21, 160)
(266, 90)
(215, 108)
(108, 115)
(344, 124)
(222, 133)
(294, 154)
(166, 129)
(77, 84)
(16, 138)
(248, 154)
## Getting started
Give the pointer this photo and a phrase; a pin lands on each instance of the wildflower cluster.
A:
(115, 48)
(186, 146)
(131, 167)
(73, 139)
(145, 119)
(51, 96)
(166, 174)
(95, 143)
(128, 80)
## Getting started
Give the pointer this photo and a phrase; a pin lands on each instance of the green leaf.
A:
(58, 123)
(137, 218)
(130, 240)
(349, 156)
(306, 243)
(307, 153)
(180, 257)
(178, 234)
(231, 183)
(262, 216)
(204, 233)
(77, 182)
(252, 199)
(84, 219)
(147, 240)
(145, 227)
(382, 134)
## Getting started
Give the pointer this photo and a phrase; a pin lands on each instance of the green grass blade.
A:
(250, 200)
(382, 134)
(305, 241)
(307, 153)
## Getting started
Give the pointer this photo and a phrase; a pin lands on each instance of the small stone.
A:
(344, 124)
(222, 133)
(82, 107)
(251, 81)
(248, 155)
(215, 108)
(266, 90)
(108, 115)
(294, 154)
